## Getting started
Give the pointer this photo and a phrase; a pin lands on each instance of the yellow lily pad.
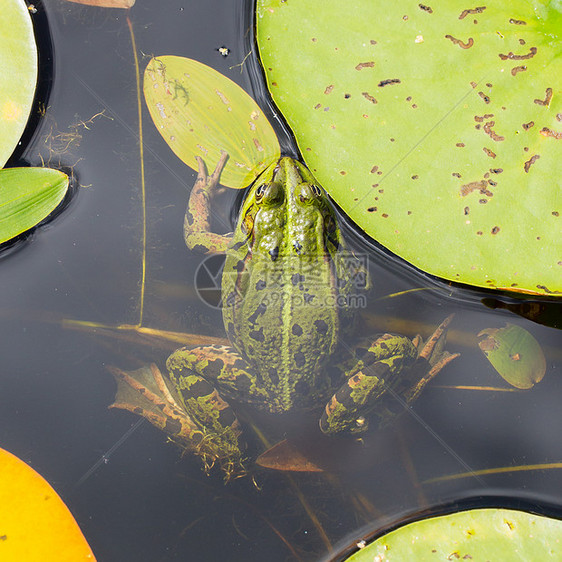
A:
(35, 524)
(18, 64)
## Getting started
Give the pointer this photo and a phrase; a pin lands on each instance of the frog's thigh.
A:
(192, 372)
(385, 347)
(221, 365)
(374, 374)
(344, 410)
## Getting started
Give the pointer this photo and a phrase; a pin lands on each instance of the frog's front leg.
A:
(388, 378)
(198, 374)
(196, 224)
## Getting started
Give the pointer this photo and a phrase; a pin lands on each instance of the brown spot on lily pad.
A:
(489, 152)
(489, 131)
(461, 43)
(387, 82)
(482, 118)
(512, 56)
(517, 69)
(547, 98)
(530, 162)
(484, 97)
(362, 65)
(481, 186)
(465, 13)
(546, 132)
(427, 9)
(369, 97)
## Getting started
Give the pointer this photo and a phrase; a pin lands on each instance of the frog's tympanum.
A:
(289, 288)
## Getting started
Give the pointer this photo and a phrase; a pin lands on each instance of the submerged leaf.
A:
(200, 112)
(27, 196)
(35, 523)
(515, 354)
(106, 3)
(437, 129)
(476, 534)
(18, 64)
(285, 456)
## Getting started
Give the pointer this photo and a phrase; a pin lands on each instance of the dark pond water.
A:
(133, 495)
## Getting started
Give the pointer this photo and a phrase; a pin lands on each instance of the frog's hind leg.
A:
(203, 376)
(387, 378)
(374, 373)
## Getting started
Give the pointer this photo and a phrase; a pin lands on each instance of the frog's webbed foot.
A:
(144, 392)
(196, 226)
(431, 353)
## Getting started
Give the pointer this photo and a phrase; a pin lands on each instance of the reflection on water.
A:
(86, 266)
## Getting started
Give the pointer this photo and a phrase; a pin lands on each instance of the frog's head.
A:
(287, 213)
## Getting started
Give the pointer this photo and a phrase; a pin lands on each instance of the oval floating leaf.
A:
(437, 129)
(35, 523)
(515, 354)
(27, 196)
(200, 112)
(18, 64)
(476, 534)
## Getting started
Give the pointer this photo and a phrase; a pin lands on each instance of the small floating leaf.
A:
(476, 534)
(35, 524)
(200, 112)
(27, 196)
(515, 354)
(18, 61)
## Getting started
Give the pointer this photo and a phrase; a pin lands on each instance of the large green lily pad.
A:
(437, 127)
(18, 72)
(478, 535)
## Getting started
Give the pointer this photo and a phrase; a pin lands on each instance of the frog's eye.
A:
(316, 190)
(260, 191)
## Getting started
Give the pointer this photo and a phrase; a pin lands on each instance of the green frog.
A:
(289, 288)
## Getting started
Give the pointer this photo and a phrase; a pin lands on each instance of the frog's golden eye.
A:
(316, 190)
(260, 191)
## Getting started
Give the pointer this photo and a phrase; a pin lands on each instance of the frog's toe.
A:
(432, 350)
